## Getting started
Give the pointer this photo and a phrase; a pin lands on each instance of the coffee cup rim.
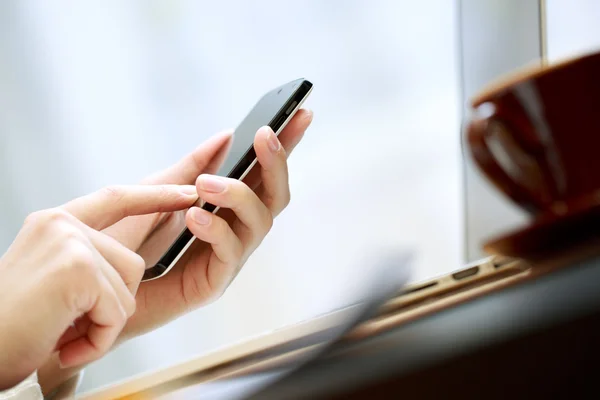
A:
(525, 73)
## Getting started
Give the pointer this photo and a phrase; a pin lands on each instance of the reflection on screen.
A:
(260, 115)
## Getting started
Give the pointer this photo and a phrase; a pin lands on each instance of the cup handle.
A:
(477, 132)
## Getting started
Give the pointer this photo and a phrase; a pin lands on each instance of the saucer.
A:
(549, 234)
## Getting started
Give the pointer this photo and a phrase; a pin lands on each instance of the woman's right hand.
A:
(67, 287)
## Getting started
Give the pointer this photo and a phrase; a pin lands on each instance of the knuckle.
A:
(164, 192)
(69, 235)
(238, 188)
(239, 194)
(220, 227)
(81, 259)
(47, 217)
(114, 193)
(76, 272)
(56, 215)
(32, 218)
(77, 300)
(138, 265)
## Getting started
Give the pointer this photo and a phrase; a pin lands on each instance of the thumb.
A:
(107, 206)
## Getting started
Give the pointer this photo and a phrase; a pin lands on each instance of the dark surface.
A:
(531, 340)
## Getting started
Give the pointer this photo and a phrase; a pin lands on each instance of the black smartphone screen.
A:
(274, 109)
(266, 111)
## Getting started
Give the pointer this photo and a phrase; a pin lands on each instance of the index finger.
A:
(107, 206)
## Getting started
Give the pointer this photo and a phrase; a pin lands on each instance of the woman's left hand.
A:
(227, 239)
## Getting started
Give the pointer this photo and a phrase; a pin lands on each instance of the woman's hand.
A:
(226, 239)
(67, 287)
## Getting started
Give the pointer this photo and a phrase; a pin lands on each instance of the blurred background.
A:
(93, 94)
(496, 37)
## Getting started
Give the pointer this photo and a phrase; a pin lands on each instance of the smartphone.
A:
(275, 109)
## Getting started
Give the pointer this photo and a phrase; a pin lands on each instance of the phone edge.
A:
(150, 273)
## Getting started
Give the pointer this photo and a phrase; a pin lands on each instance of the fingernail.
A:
(309, 114)
(272, 141)
(189, 190)
(212, 184)
(200, 216)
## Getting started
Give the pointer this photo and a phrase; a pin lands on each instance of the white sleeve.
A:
(29, 389)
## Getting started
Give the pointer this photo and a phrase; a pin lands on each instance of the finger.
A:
(109, 205)
(227, 248)
(207, 157)
(289, 139)
(236, 196)
(124, 295)
(108, 318)
(78, 329)
(275, 190)
(294, 131)
(128, 264)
